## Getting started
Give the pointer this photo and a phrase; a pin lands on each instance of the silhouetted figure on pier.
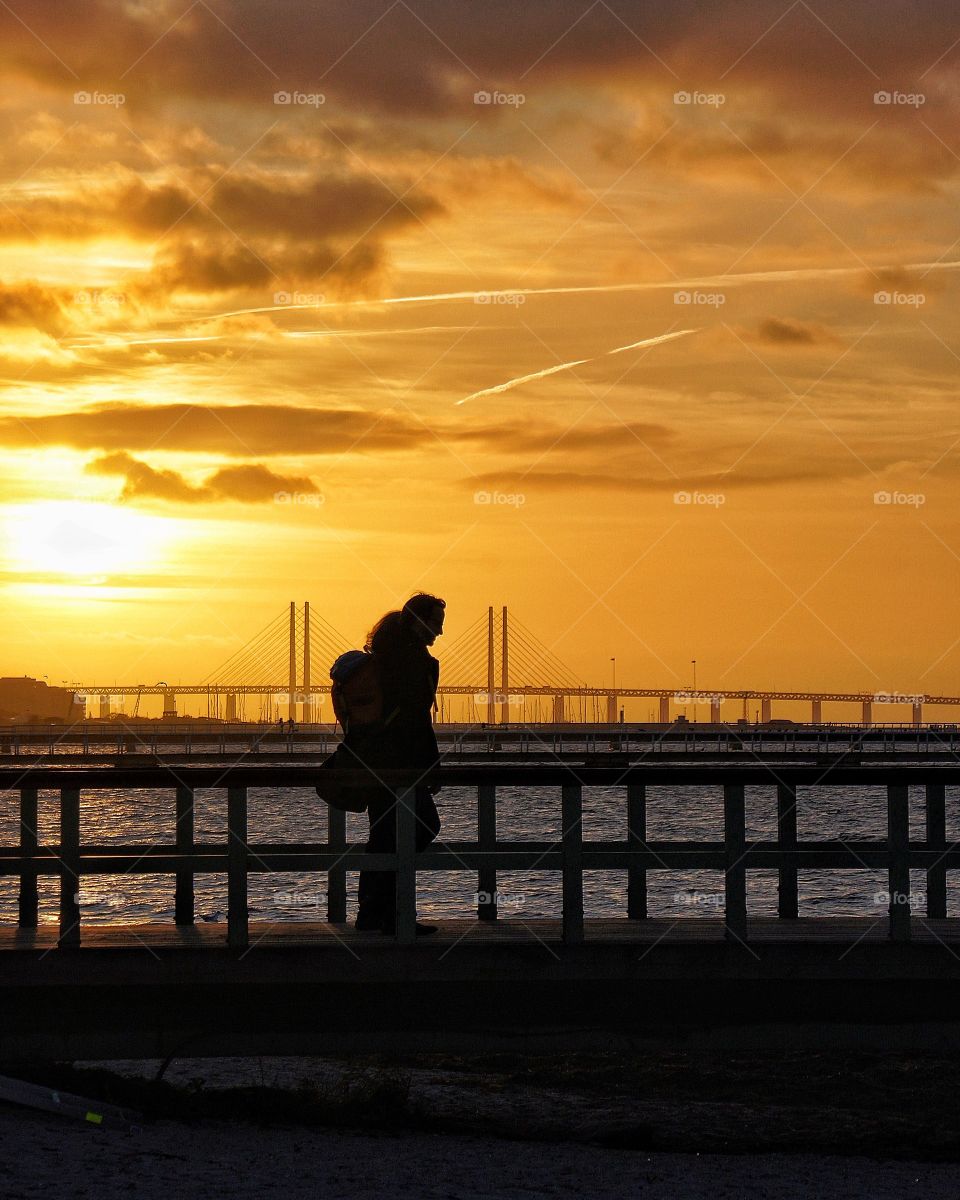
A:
(404, 737)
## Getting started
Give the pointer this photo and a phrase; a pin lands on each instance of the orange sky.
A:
(213, 402)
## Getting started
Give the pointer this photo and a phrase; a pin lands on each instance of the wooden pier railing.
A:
(735, 854)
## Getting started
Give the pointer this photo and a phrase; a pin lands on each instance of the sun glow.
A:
(81, 540)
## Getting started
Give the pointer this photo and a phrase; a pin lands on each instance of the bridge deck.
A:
(505, 931)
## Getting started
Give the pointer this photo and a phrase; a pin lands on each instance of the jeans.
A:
(377, 891)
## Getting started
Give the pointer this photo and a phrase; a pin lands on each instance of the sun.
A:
(81, 540)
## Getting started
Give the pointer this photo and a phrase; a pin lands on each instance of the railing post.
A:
(571, 807)
(936, 840)
(787, 902)
(29, 897)
(336, 876)
(487, 841)
(183, 895)
(637, 840)
(898, 874)
(69, 867)
(238, 931)
(406, 813)
(735, 875)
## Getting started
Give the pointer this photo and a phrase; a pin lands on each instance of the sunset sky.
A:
(253, 257)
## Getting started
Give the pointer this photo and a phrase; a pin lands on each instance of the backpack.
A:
(356, 690)
(357, 697)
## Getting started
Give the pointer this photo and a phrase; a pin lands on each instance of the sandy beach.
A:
(45, 1155)
(595, 1125)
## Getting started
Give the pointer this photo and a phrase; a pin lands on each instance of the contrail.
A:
(512, 383)
(798, 274)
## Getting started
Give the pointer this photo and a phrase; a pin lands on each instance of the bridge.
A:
(501, 672)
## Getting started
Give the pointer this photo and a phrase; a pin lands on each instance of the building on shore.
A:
(25, 700)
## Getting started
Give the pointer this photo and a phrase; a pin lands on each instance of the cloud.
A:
(243, 430)
(525, 438)
(790, 150)
(206, 267)
(255, 483)
(260, 430)
(242, 232)
(250, 484)
(31, 305)
(790, 333)
(144, 480)
(428, 59)
(718, 481)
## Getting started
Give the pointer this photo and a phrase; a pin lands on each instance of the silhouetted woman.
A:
(405, 738)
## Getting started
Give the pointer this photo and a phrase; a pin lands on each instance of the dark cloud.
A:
(793, 148)
(33, 306)
(255, 483)
(263, 429)
(144, 480)
(211, 266)
(527, 437)
(247, 232)
(785, 331)
(428, 56)
(637, 481)
(337, 203)
(251, 484)
(242, 430)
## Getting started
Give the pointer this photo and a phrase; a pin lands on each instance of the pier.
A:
(289, 986)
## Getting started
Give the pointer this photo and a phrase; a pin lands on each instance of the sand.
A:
(45, 1155)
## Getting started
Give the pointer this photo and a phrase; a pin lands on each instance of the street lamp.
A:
(614, 662)
(694, 661)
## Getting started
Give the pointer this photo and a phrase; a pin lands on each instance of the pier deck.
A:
(153, 990)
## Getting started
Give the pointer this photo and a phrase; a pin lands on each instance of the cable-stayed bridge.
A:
(496, 672)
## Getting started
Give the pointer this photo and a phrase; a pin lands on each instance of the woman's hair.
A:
(393, 633)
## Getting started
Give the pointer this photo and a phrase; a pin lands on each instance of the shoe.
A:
(422, 929)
